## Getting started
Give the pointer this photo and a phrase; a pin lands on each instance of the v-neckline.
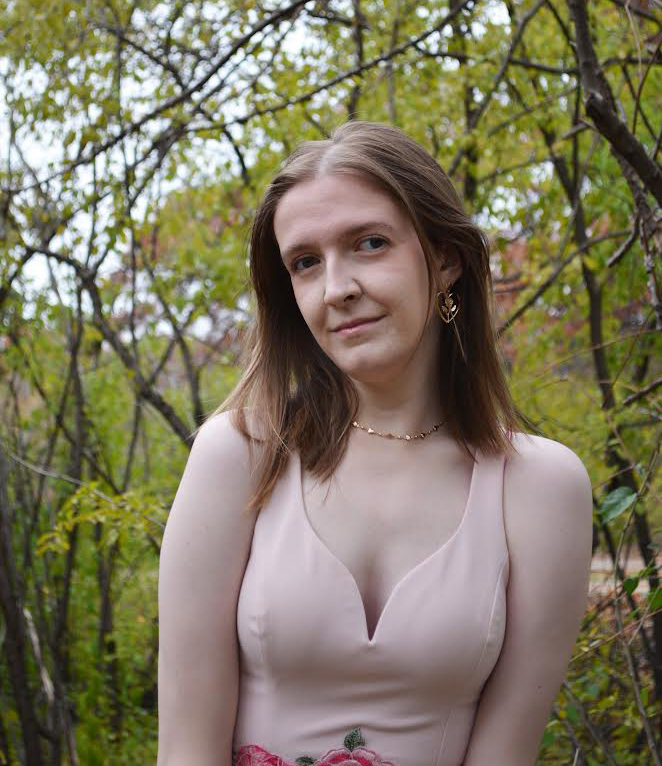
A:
(371, 640)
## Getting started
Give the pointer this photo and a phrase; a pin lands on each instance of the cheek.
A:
(420, 293)
(409, 300)
(308, 307)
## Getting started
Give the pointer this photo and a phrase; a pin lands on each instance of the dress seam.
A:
(502, 566)
(440, 752)
(504, 536)
(261, 618)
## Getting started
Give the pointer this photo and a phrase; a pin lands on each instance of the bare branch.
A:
(72, 480)
(185, 94)
(147, 392)
(305, 97)
(653, 386)
(478, 113)
(625, 247)
(601, 107)
(637, 10)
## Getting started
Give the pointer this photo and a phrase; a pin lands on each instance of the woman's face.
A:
(353, 255)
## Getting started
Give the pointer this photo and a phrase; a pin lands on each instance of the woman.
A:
(366, 562)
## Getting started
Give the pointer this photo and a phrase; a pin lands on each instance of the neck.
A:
(405, 405)
(405, 418)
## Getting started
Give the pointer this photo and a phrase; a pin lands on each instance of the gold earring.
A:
(447, 308)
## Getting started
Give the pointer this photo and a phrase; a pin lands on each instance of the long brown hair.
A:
(296, 396)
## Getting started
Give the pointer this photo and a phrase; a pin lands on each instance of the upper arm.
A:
(203, 557)
(547, 513)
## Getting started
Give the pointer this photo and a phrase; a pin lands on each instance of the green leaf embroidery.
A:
(305, 760)
(354, 739)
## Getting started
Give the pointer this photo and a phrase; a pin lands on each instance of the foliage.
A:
(138, 137)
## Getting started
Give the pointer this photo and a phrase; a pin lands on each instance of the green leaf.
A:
(593, 691)
(655, 600)
(305, 760)
(630, 585)
(354, 739)
(573, 714)
(617, 502)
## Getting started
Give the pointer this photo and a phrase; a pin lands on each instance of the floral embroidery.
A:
(252, 755)
(353, 753)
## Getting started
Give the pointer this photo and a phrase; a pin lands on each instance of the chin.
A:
(369, 371)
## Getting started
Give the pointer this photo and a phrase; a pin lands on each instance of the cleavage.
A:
(382, 529)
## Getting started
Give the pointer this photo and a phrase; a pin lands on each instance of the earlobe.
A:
(449, 273)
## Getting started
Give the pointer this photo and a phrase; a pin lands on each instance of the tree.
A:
(139, 136)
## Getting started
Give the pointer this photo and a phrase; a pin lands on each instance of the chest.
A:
(381, 521)
(312, 667)
(309, 621)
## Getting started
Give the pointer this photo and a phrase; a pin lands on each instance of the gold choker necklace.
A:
(404, 437)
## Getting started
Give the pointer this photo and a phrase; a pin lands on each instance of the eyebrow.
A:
(347, 233)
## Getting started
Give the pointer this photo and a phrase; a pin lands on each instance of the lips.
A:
(356, 323)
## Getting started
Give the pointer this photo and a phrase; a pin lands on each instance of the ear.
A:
(449, 269)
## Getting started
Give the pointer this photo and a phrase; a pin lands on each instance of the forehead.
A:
(327, 205)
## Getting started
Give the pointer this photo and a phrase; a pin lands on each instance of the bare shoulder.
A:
(205, 548)
(220, 433)
(219, 479)
(221, 446)
(547, 505)
(541, 454)
(548, 513)
(208, 512)
(546, 483)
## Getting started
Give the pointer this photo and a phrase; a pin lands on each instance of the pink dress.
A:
(315, 689)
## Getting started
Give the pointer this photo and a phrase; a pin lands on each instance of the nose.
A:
(340, 283)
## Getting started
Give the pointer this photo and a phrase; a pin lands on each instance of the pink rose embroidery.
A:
(252, 755)
(360, 756)
(354, 753)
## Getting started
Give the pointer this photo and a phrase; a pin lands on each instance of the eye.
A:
(375, 242)
(303, 263)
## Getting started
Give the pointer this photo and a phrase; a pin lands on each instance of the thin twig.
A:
(650, 737)
(70, 479)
